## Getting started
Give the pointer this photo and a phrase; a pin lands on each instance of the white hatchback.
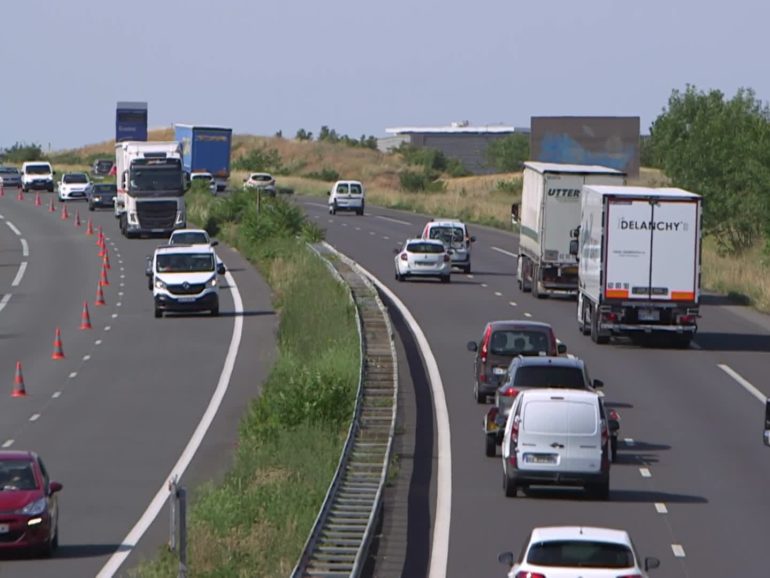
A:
(578, 551)
(74, 186)
(423, 258)
(207, 179)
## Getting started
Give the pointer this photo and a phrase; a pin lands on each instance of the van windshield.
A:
(185, 263)
(448, 235)
(38, 169)
(580, 554)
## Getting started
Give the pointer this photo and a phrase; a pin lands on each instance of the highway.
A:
(691, 480)
(114, 416)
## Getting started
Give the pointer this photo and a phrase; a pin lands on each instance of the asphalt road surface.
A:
(691, 481)
(112, 418)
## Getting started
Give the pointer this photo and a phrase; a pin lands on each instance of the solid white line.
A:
(8, 443)
(13, 228)
(152, 511)
(678, 550)
(19, 274)
(645, 472)
(24, 248)
(399, 221)
(4, 301)
(440, 547)
(661, 508)
(743, 382)
(34, 417)
(504, 252)
(512, 303)
(498, 294)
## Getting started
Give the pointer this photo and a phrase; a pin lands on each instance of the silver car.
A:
(10, 177)
(423, 258)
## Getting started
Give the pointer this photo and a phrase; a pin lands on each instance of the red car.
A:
(29, 512)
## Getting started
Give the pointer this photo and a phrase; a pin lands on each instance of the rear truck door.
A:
(628, 249)
(561, 214)
(675, 252)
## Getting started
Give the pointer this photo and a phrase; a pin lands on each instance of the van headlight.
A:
(212, 282)
(159, 284)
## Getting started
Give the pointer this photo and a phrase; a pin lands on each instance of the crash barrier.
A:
(338, 544)
(177, 539)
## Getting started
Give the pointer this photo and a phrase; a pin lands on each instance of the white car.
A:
(37, 175)
(423, 258)
(263, 181)
(578, 551)
(74, 186)
(193, 237)
(206, 178)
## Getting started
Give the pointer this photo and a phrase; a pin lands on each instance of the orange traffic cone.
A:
(89, 227)
(20, 196)
(77, 217)
(100, 237)
(2, 190)
(18, 383)
(85, 318)
(99, 296)
(106, 260)
(38, 202)
(64, 214)
(51, 208)
(103, 281)
(58, 352)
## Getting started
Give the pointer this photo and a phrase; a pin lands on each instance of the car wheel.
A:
(614, 448)
(334, 208)
(584, 328)
(509, 486)
(477, 395)
(158, 313)
(681, 341)
(55, 541)
(215, 312)
(490, 448)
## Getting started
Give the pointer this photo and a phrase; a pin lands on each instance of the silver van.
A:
(557, 437)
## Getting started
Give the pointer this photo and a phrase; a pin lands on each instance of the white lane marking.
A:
(678, 550)
(743, 382)
(469, 276)
(74, 374)
(56, 394)
(661, 508)
(114, 315)
(512, 303)
(120, 261)
(316, 216)
(34, 417)
(645, 472)
(358, 228)
(122, 284)
(8, 443)
(1, 218)
(152, 511)
(372, 233)
(120, 293)
(122, 268)
(484, 285)
(24, 248)
(331, 220)
(527, 315)
(119, 304)
(86, 357)
(344, 224)
(498, 294)
(504, 252)
(318, 205)
(98, 342)
(19, 274)
(4, 301)
(392, 220)
(122, 276)
(385, 237)
(107, 328)
(628, 442)
(440, 547)
(13, 228)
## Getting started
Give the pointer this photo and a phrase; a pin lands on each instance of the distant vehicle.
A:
(347, 196)
(184, 278)
(566, 551)
(206, 149)
(639, 253)
(10, 177)
(29, 505)
(550, 209)
(74, 186)
(37, 175)
(102, 167)
(263, 181)
(455, 236)
(501, 341)
(207, 179)
(191, 237)
(102, 195)
(422, 258)
(557, 437)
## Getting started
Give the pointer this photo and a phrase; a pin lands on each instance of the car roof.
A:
(177, 231)
(421, 240)
(446, 223)
(518, 324)
(347, 182)
(547, 393)
(589, 533)
(551, 360)
(201, 174)
(260, 174)
(170, 249)
(21, 455)
(75, 173)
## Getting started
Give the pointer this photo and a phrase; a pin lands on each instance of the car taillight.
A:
(485, 344)
(404, 257)
(509, 392)
(631, 576)
(446, 258)
(529, 575)
(605, 433)
(610, 316)
(685, 319)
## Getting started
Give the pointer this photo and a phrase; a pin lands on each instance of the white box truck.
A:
(639, 255)
(151, 185)
(550, 210)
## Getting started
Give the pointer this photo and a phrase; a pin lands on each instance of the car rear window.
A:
(447, 234)
(424, 248)
(580, 554)
(560, 417)
(355, 189)
(513, 342)
(549, 376)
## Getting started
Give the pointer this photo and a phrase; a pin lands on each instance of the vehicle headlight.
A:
(212, 282)
(35, 508)
(159, 284)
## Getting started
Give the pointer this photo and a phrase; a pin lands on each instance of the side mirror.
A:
(148, 266)
(472, 346)
(514, 213)
(473, 239)
(597, 383)
(613, 425)
(575, 233)
(221, 269)
(450, 252)
(561, 348)
(506, 559)
(573, 247)
(54, 487)
(214, 243)
(651, 563)
(328, 193)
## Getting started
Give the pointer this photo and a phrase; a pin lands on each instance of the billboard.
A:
(610, 141)
(131, 121)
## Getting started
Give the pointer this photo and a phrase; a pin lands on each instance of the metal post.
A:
(172, 515)
(182, 496)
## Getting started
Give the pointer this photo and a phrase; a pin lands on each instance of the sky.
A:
(358, 66)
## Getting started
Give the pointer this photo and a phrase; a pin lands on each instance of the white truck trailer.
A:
(550, 210)
(639, 254)
(150, 187)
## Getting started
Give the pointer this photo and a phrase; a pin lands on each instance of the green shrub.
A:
(326, 174)
(21, 152)
(511, 186)
(262, 158)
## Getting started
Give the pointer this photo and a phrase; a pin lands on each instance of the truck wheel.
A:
(490, 448)
(681, 341)
(535, 289)
(595, 337)
(525, 269)
(600, 491)
(585, 329)
(215, 312)
(614, 448)
(123, 225)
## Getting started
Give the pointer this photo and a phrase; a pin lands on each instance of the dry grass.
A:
(745, 276)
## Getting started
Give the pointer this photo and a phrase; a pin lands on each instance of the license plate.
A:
(499, 370)
(649, 315)
(540, 458)
(4, 528)
(186, 299)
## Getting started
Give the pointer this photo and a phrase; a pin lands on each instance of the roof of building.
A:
(455, 128)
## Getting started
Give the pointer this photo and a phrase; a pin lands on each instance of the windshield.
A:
(207, 178)
(514, 342)
(38, 169)
(8, 171)
(425, 248)
(77, 179)
(261, 177)
(451, 235)
(16, 475)
(155, 178)
(581, 554)
(104, 164)
(185, 263)
(105, 189)
(189, 239)
(549, 376)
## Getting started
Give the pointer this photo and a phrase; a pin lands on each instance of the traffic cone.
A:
(51, 208)
(102, 250)
(103, 281)
(106, 259)
(20, 196)
(99, 296)
(85, 318)
(100, 237)
(89, 227)
(38, 202)
(18, 383)
(58, 352)
(64, 214)
(77, 217)
(2, 190)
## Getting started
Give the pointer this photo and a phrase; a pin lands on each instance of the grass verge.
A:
(256, 521)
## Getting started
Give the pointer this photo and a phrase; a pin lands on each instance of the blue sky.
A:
(360, 66)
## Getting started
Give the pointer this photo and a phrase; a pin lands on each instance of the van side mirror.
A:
(573, 247)
(597, 383)
(214, 243)
(221, 269)
(561, 348)
(506, 559)
(651, 563)
(148, 266)
(472, 346)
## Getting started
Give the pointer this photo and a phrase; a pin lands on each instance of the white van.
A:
(455, 236)
(37, 175)
(346, 196)
(557, 437)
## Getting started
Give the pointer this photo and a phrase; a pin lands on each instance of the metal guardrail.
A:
(339, 542)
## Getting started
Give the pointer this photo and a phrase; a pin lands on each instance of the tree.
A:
(303, 134)
(720, 149)
(507, 154)
(21, 152)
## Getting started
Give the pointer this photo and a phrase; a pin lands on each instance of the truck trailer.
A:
(206, 149)
(150, 188)
(550, 210)
(639, 255)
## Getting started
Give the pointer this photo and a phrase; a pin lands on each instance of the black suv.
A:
(101, 167)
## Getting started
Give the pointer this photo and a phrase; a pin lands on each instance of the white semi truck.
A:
(550, 210)
(639, 254)
(150, 187)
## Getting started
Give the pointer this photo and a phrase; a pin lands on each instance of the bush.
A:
(262, 158)
(508, 153)
(512, 186)
(414, 182)
(326, 174)
(22, 152)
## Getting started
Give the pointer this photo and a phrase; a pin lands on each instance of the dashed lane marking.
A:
(498, 294)
(98, 342)
(86, 357)
(678, 550)
(114, 315)
(469, 276)
(392, 220)
(4, 301)
(512, 303)
(34, 417)
(73, 375)
(527, 315)
(24, 248)
(56, 394)
(504, 252)
(13, 228)
(645, 472)
(8, 443)
(107, 328)
(661, 508)
(484, 285)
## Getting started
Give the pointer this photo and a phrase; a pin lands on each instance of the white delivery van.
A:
(346, 196)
